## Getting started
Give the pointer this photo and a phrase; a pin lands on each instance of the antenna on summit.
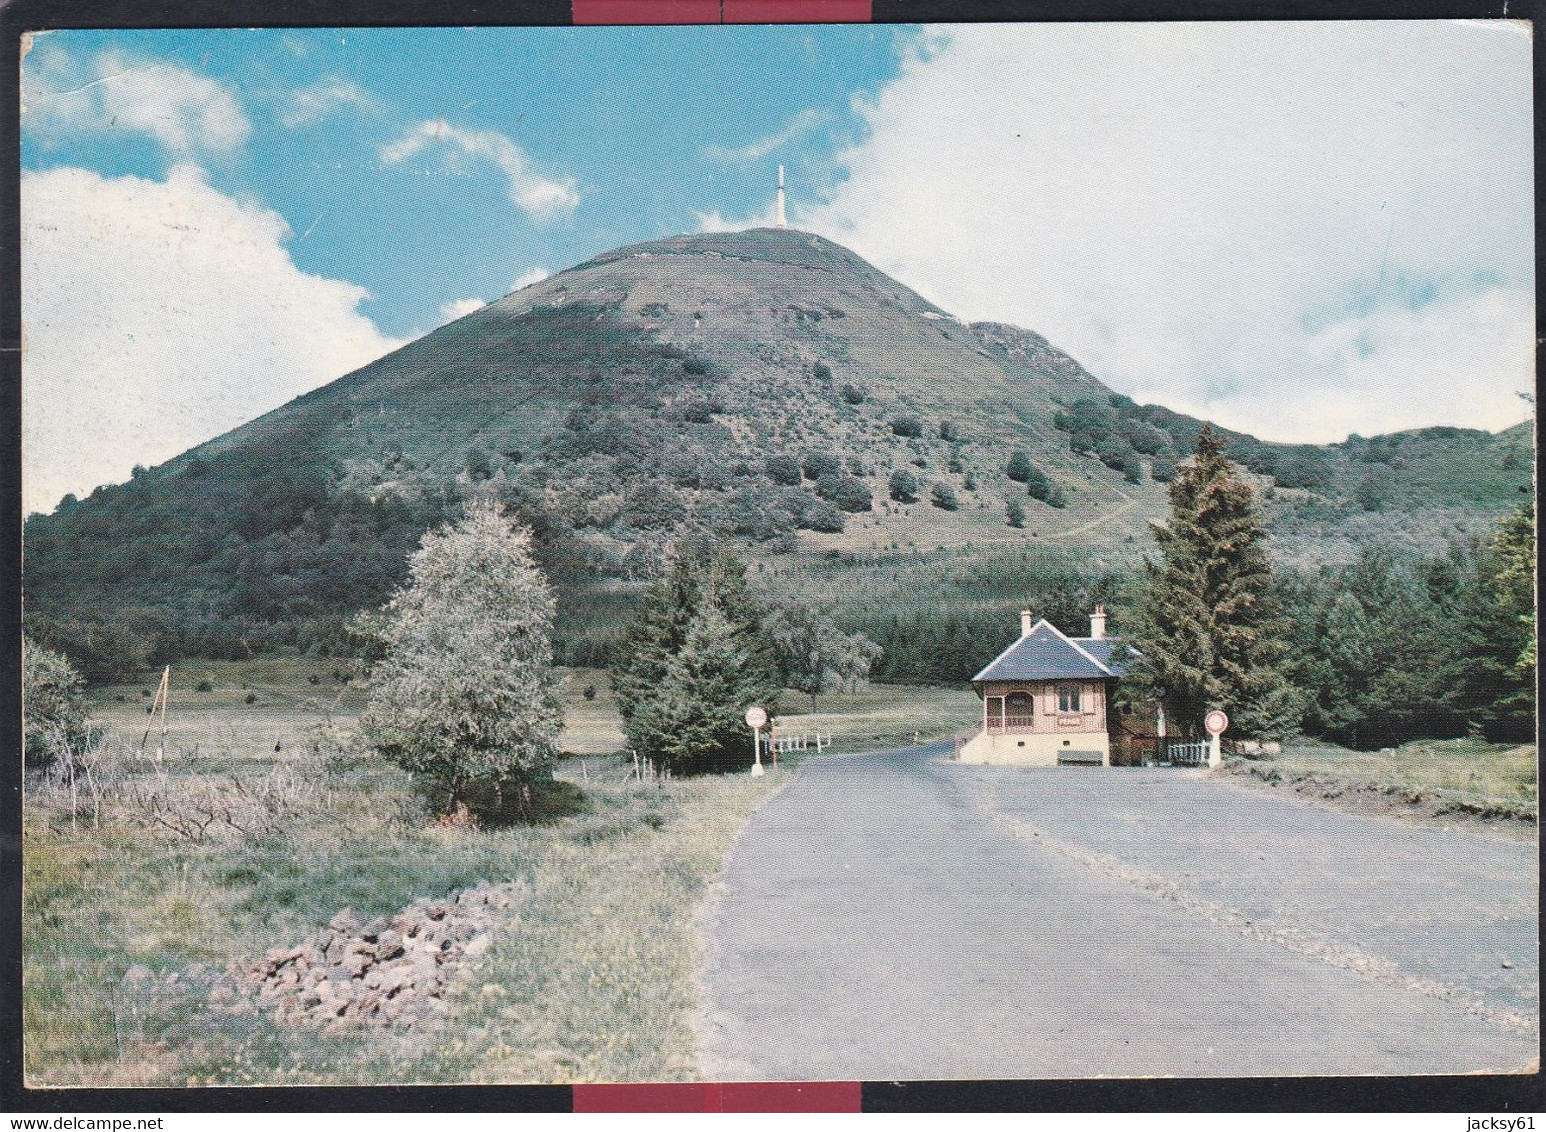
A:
(778, 214)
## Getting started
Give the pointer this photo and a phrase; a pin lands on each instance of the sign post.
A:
(756, 719)
(1215, 722)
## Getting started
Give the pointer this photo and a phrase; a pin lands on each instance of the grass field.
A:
(1432, 777)
(591, 980)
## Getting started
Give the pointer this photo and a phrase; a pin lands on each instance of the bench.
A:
(1080, 758)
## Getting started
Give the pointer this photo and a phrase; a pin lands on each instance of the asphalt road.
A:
(897, 916)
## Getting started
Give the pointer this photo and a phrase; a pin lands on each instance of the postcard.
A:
(846, 552)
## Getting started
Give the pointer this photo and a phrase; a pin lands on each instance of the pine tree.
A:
(1490, 677)
(693, 661)
(1208, 627)
(1513, 549)
(464, 696)
(694, 719)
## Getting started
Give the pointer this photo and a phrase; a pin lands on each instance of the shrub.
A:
(252, 697)
(1144, 437)
(1019, 466)
(907, 426)
(948, 431)
(1037, 485)
(822, 371)
(845, 492)
(1162, 469)
(1014, 514)
(1113, 452)
(852, 394)
(590, 692)
(818, 464)
(1376, 489)
(479, 466)
(464, 695)
(203, 686)
(823, 517)
(53, 711)
(784, 470)
(904, 487)
(652, 506)
(944, 498)
(1306, 467)
(1132, 470)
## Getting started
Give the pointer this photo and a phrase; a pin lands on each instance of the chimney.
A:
(1098, 623)
(1025, 622)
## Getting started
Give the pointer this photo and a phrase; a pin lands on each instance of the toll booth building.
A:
(1045, 697)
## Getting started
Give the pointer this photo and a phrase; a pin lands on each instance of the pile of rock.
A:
(389, 972)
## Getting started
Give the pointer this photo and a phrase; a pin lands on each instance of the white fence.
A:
(783, 744)
(1187, 754)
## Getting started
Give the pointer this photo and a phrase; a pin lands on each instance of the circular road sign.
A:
(1215, 721)
(756, 718)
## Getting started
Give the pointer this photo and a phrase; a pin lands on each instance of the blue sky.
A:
(626, 114)
(1299, 230)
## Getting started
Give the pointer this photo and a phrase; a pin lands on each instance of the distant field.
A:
(871, 717)
(883, 715)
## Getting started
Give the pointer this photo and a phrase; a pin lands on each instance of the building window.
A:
(996, 713)
(1017, 709)
(1068, 699)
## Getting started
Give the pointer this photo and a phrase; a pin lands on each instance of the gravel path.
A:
(896, 916)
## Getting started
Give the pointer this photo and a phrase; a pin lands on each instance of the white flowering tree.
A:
(465, 693)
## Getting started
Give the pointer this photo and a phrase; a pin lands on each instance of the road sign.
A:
(756, 719)
(1215, 722)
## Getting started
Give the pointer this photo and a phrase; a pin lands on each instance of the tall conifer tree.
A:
(693, 661)
(1208, 632)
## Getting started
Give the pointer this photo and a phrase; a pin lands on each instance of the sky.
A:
(1297, 230)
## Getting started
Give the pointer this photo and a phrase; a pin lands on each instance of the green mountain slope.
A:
(675, 386)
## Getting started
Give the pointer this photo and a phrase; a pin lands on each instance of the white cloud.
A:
(802, 123)
(117, 92)
(535, 275)
(1296, 229)
(541, 198)
(714, 222)
(158, 314)
(310, 105)
(457, 308)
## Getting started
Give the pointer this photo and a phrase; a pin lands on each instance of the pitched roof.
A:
(1103, 648)
(1046, 654)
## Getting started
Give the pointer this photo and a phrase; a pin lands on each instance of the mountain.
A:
(765, 384)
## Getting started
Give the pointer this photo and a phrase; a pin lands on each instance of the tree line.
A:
(1386, 649)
